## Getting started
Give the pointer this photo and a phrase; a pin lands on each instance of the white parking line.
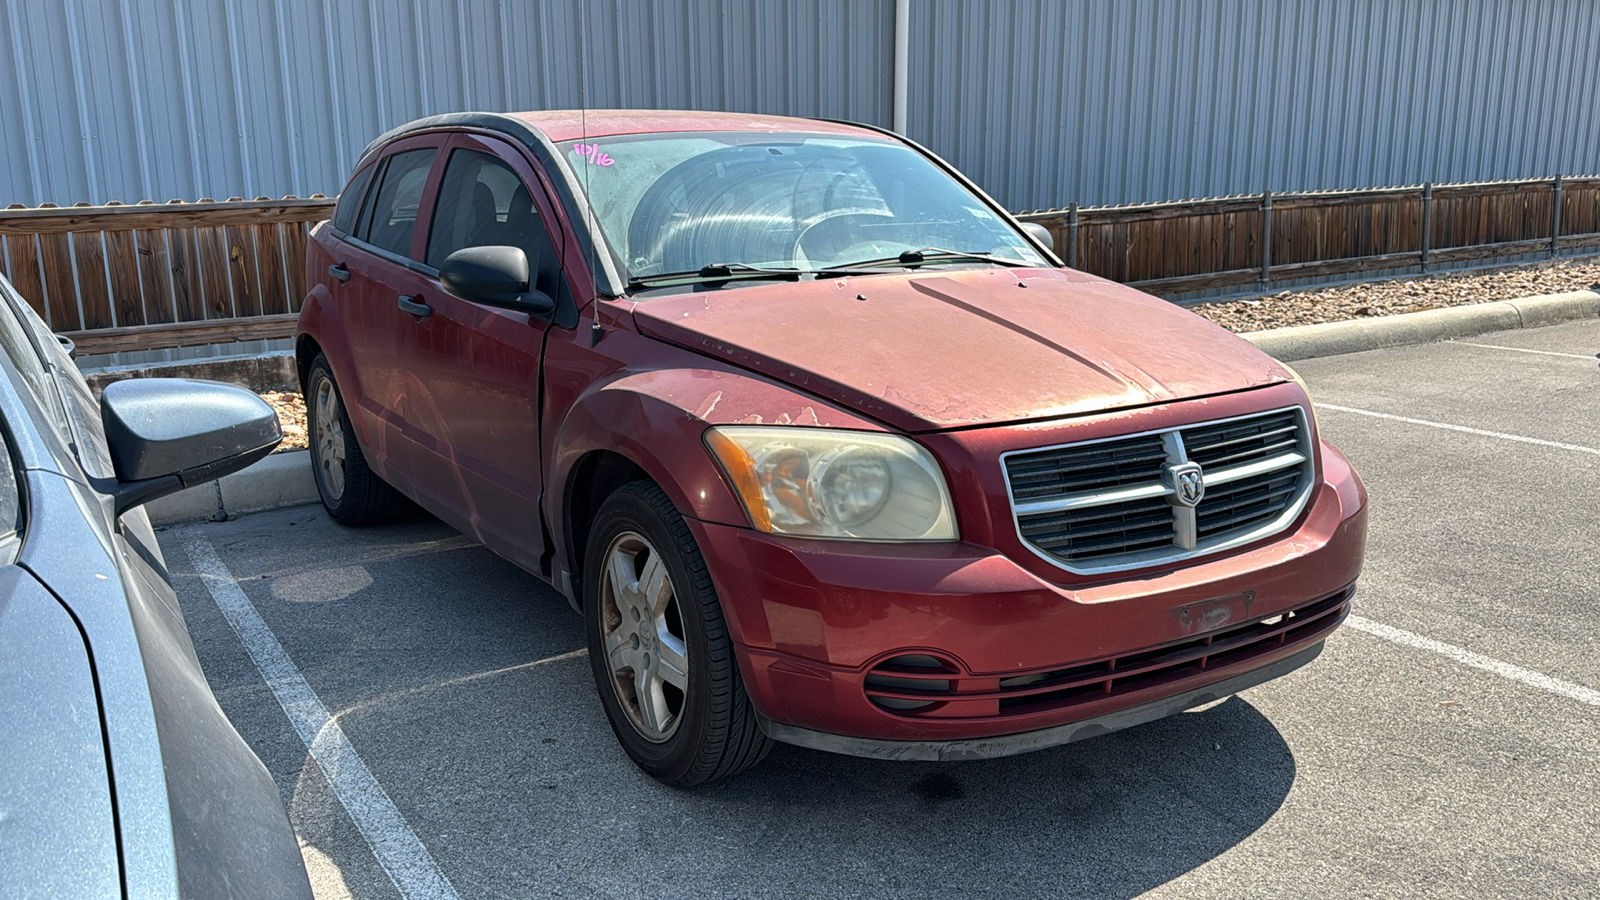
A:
(1462, 428)
(396, 846)
(1590, 358)
(1478, 661)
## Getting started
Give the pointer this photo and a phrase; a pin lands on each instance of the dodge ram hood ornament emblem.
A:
(1187, 482)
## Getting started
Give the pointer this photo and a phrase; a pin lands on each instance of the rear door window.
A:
(390, 218)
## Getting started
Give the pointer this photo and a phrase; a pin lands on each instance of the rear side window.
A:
(345, 216)
(388, 220)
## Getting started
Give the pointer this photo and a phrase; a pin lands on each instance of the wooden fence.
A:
(1191, 245)
(151, 276)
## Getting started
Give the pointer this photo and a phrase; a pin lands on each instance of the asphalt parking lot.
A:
(430, 718)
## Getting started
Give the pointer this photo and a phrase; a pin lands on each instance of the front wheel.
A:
(659, 646)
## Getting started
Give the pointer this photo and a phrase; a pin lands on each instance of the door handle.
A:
(410, 305)
(339, 271)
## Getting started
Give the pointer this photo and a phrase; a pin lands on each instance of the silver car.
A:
(120, 776)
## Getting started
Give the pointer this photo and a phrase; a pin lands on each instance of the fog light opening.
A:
(910, 674)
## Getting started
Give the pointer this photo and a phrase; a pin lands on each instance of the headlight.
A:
(817, 482)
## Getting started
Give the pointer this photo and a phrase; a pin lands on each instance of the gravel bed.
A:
(1387, 298)
(291, 410)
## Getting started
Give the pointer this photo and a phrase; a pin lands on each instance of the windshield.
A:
(684, 201)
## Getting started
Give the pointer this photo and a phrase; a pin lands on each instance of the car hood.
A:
(956, 348)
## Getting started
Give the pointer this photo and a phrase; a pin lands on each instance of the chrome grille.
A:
(1094, 467)
(1240, 441)
(1113, 504)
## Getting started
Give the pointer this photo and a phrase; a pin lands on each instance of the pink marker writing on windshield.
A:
(592, 153)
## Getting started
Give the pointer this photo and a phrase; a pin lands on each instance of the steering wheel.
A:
(834, 217)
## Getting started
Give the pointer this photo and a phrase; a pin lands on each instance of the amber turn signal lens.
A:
(741, 470)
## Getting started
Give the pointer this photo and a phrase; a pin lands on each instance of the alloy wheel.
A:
(330, 446)
(641, 630)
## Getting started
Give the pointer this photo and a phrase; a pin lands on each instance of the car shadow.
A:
(1113, 816)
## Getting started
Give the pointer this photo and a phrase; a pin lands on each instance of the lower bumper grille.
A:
(923, 686)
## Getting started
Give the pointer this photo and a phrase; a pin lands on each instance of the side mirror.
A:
(167, 434)
(1040, 234)
(494, 275)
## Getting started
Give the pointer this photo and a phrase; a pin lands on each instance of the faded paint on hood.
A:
(953, 348)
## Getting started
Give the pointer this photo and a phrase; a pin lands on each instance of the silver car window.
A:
(10, 500)
(16, 343)
(54, 380)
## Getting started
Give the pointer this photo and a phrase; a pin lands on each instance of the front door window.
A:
(483, 202)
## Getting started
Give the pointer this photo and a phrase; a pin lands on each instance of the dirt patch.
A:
(1387, 298)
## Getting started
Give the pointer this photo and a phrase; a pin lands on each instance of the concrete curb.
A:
(282, 479)
(273, 371)
(1355, 335)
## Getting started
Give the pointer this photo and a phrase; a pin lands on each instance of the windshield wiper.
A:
(716, 273)
(912, 259)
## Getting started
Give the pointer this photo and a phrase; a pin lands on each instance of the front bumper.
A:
(1027, 661)
(1012, 744)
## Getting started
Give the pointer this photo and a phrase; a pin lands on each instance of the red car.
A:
(825, 447)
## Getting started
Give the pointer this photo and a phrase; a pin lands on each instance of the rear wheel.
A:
(352, 493)
(659, 645)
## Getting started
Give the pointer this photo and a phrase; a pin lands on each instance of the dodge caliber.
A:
(824, 446)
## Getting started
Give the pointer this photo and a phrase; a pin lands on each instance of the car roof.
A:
(554, 126)
(573, 124)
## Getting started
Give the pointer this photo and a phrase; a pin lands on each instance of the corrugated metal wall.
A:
(1121, 101)
(158, 99)
(1044, 102)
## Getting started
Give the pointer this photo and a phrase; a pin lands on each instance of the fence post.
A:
(1555, 224)
(1072, 235)
(1266, 237)
(1427, 223)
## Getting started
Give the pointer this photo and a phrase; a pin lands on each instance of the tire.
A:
(705, 730)
(352, 493)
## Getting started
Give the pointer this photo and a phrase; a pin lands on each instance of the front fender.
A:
(657, 420)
